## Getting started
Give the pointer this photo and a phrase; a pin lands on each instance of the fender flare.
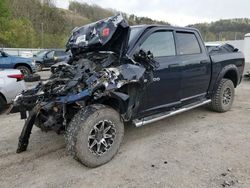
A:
(23, 64)
(223, 73)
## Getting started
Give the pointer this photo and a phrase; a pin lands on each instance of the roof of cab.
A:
(166, 26)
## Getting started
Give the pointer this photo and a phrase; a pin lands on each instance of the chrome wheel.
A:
(101, 137)
(227, 96)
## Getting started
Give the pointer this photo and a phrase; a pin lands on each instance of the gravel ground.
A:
(195, 149)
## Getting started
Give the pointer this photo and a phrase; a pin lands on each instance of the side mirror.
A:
(236, 50)
(142, 55)
(146, 59)
(4, 54)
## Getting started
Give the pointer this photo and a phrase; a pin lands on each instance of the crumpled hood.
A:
(37, 59)
(109, 34)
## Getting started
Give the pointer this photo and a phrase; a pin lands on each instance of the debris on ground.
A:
(229, 183)
(228, 179)
(247, 75)
(32, 78)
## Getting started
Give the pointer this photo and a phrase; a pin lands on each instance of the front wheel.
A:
(24, 70)
(3, 104)
(94, 135)
(223, 97)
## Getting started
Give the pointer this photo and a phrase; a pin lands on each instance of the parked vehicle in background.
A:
(120, 74)
(47, 58)
(11, 84)
(26, 65)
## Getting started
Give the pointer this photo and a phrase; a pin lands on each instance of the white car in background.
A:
(11, 84)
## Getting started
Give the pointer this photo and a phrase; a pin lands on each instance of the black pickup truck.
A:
(122, 75)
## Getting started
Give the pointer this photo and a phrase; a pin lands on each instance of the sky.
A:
(176, 12)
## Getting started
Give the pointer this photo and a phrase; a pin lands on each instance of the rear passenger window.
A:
(187, 43)
(160, 44)
(59, 53)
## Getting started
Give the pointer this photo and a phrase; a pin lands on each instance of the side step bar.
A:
(154, 118)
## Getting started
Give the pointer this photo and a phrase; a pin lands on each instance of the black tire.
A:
(3, 104)
(223, 98)
(24, 70)
(32, 78)
(53, 70)
(79, 135)
(39, 67)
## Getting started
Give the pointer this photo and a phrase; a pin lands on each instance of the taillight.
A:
(19, 77)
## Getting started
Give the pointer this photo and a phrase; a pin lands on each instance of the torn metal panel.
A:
(104, 35)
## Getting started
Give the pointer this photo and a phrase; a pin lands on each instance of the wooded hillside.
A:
(231, 29)
(39, 24)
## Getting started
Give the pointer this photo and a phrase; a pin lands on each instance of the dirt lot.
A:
(195, 149)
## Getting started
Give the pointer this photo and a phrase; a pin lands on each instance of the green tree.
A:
(4, 10)
(19, 33)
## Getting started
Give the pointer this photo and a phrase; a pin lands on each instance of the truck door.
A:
(196, 66)
(49, 59)
(5, 61)
(164, 92)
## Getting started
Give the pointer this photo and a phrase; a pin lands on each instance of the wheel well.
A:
(23, 64)
(232, 75)
(1, 95)
(115, 104)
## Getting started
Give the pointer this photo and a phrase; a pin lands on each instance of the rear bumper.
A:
(16, 88)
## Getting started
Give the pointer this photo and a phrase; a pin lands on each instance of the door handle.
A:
(173, 65)
(204, 62)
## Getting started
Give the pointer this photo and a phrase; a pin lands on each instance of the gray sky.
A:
(177, 12)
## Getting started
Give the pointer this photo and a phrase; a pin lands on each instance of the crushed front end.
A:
(98, 72)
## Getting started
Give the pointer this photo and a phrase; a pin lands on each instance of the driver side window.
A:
(50, 55)
(160, 43)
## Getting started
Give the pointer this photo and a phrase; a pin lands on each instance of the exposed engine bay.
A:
(98, 72)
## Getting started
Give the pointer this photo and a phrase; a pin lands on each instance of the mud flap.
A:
(25, 135)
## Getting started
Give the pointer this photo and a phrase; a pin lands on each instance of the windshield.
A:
(4, 53)
(133, 33)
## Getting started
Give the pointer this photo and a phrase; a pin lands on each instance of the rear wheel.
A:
(224, 96)
(3, 104)
(24, 70)
(94, 135)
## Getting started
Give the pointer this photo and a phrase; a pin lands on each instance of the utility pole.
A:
(42, 27)
(42, 36)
